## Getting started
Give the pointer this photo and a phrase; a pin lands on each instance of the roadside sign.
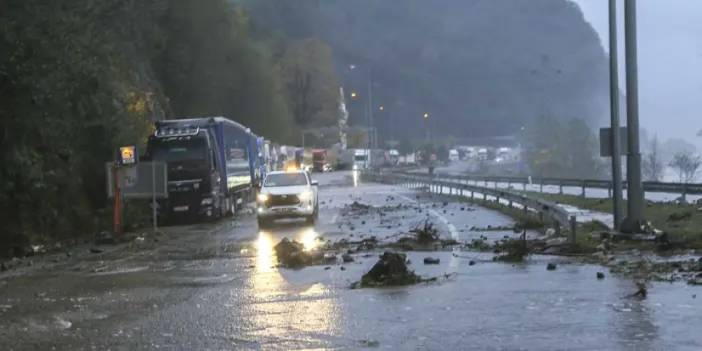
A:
(141, 181)
(127, 155)
(129, 178)
(606, 141)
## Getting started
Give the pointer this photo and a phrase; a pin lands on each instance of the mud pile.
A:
(291, 254)
(390, 270)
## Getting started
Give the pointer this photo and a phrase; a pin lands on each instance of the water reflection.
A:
(264, 252)
(308, 238)
(285, 307)
(355, 177)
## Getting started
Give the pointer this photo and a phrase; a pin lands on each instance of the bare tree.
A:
(687, 165)
(653, 166)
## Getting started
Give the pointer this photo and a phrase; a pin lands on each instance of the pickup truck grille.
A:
(283, 200)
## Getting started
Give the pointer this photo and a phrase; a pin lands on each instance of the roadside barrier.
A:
(452, 185)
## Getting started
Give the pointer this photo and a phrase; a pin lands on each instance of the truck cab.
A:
(193, 172)
(213, 165)
(361, 159)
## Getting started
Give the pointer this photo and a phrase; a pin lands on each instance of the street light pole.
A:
(370, 107)
(634, 220)
(614, 116)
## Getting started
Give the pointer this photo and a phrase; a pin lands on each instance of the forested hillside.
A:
(80, 77)
(480, 67)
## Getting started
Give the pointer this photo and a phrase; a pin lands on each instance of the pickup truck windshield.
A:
(287, 179)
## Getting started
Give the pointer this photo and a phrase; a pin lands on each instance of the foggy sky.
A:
(670, 63)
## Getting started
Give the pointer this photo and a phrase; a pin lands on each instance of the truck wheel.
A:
(262, 223)
(311, 219)
(231, 206)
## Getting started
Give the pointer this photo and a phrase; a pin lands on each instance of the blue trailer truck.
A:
(214, 165)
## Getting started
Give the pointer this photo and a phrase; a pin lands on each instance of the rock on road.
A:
(216, 286)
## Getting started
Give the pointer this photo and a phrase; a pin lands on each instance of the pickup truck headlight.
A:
(262, 197)
(206, 201)
(305, 196)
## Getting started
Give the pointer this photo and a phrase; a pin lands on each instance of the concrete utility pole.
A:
(634, 219)
(614, 116)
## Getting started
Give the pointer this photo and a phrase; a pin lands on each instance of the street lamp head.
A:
(381, 108)
(426, 115)
(352, 66)
(354, 95)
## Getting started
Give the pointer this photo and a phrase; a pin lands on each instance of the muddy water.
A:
(217, 287)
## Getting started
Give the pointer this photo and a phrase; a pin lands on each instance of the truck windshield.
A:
(179, 149)
(360, 157)
(286, 179)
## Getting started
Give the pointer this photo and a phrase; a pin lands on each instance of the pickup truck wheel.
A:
(311, 219)
(263, 223)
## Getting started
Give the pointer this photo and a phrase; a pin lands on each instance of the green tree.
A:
(310, 82)
(559, 148)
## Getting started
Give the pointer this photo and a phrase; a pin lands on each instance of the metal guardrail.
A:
(440, 184)
(663, 187)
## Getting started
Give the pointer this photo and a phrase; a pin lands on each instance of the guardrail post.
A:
(573, 227)
(560, 187)
(541, 186)
(684, 193)
(609, 192)
(472, 196)
(484, 196)
(583, 192)
(510, 203)
(524, 186)
(486, 183)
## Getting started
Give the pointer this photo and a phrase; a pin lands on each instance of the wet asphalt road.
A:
(216, 286)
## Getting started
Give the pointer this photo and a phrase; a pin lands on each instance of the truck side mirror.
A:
(314, 183)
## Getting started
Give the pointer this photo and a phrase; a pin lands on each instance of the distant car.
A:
(290, 194)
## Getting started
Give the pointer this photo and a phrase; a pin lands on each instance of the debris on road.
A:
(390, 270)
(551, 266)
(291, 254)
(347, 258)
(96, 250)
(511, 250)
(426, 234)
(600, 275)
(642, 292)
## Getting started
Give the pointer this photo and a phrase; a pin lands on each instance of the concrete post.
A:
(573, 228)
(614, 117)
(634, 219)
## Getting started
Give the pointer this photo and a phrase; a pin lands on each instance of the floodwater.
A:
(217, 286)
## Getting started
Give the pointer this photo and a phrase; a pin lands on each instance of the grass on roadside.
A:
(683, 223)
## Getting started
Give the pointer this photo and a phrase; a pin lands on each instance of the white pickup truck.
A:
(290, 194)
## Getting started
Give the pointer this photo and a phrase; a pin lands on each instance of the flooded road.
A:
(217, 286)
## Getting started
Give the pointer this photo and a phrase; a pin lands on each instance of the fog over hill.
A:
(479, 67)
